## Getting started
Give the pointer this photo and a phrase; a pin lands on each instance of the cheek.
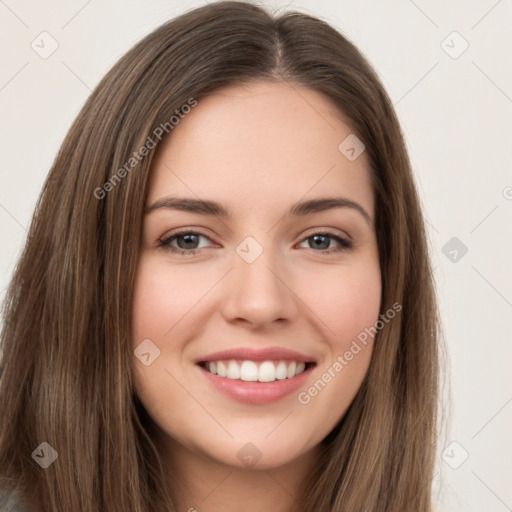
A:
(348, 306)
(156, 305)
(346, 300)
(163, 295)
(165, 299)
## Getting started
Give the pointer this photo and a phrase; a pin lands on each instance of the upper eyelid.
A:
(314, 231)
(179, 232)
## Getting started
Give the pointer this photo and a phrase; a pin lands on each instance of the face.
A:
(247, 312)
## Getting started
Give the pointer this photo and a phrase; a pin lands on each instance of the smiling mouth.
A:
(256, 371)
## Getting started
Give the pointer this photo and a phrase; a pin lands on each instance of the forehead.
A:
(260, 144)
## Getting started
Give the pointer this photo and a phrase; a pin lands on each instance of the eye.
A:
(187, 241)
(188, 246)
(321, 241)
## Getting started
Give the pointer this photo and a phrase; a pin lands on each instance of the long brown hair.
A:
(67, 353)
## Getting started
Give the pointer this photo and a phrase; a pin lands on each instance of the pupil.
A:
(315, 238)
(188, 241)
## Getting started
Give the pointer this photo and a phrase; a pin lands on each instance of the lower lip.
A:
(257, 392)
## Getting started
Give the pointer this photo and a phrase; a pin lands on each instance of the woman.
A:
(258, 370)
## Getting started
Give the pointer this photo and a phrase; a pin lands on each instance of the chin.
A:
(258, 454)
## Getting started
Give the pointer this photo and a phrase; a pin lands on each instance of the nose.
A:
(260, 292)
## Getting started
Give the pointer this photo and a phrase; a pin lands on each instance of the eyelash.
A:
(165, 244)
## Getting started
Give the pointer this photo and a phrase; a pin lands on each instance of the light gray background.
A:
(456, 113)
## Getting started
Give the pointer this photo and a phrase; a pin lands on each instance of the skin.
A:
(256, 149)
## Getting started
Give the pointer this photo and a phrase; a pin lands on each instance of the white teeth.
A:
(300, 368)
(221, 369)
(233, 370)
(267, 372)
(281, 371)
(290, 372)
(250, 371)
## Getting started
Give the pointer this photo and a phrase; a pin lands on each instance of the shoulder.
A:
(11, 502)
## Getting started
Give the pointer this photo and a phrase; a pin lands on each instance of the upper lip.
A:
(256, 354)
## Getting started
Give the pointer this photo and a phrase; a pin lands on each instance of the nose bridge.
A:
(258, 292)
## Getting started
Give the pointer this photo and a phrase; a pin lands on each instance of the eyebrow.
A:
(302, 208)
